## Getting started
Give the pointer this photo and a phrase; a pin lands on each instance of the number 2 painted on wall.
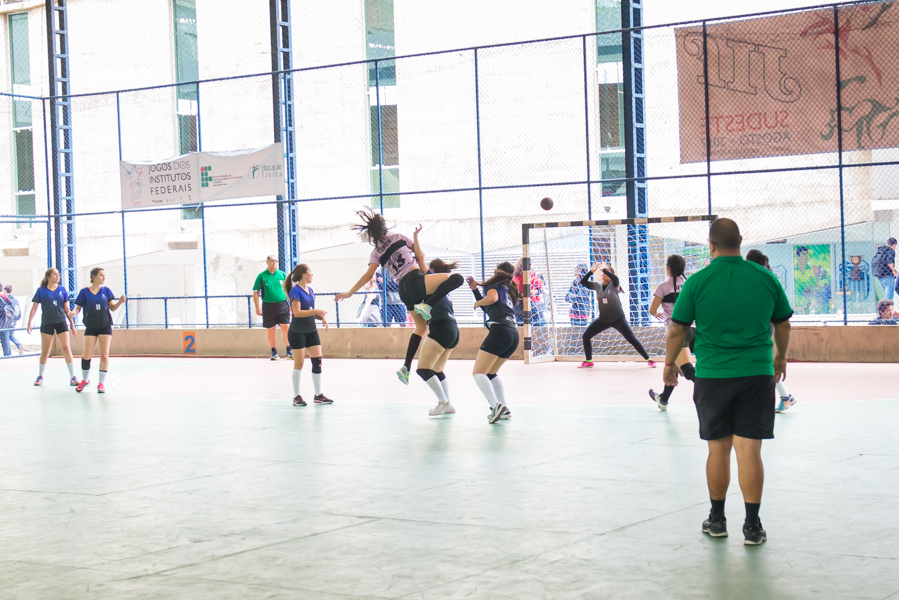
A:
(190, 341)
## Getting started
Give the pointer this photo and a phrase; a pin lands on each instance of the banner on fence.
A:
(773, 84)
(203, 177)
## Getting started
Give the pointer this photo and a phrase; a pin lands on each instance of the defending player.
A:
(443, 336)
(54, 302)
(664, 297)
(96, 301)
(303, 334)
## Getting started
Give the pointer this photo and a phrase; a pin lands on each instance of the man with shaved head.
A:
(733, 303)
(275, 309)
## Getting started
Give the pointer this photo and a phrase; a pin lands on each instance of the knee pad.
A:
(316, 365)
(425, 374)
(689, 371)
(491, 376)
(440, 375)
(85, 364)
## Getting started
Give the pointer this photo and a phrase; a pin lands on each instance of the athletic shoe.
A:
(442, 408)
(716, 528)
(754, 535)
(298, 401)
(322, 399)
(507, 414)
(81, 386)
(289, 354)
(39, 380)
(101, 389)
(657, 398)
(403, 374)
(424, 310)
(784, 403)
(585, 364)
(496, 413)
(274, 354)
(651, 363)
(74, 381)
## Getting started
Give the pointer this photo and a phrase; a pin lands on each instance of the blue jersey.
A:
(307, 302)
(95, 307)
(501, 312)
(52, 304)
(443, 310)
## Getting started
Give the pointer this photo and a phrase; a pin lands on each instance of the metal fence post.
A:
(477, 111)
(118, 115)
(383, 289)
(836, 52)
(165, 308)
(249, 314)
(202, 213)
(587, 139)
(708, 131)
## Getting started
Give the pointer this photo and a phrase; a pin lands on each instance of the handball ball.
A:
(546, 203)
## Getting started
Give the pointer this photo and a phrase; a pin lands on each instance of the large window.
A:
(22, 130)
(610, 99)
(187, 71)
(383, 112)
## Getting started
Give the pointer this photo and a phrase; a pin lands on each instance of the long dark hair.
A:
(676, 264)
(504, 276)
(758, 258)
(438, 266)
(295, 276)
(373, 226)
(612, 271)
(46, 280)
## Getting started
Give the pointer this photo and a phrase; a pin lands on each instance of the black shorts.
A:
(298, 341)
(445, 332)
(688, 340)
(51, 328)
(412, 288)
(501, 341)
(275, 313)
(98, 331)
(742, 406)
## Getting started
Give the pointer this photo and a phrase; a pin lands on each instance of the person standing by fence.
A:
(884, 267)
(275, 310)
(16, 311)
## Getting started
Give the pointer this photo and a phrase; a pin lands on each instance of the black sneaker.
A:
(754, 534)
(322, 399)
(274, 354)
(298, 401)
(716, 528)
(289, 354)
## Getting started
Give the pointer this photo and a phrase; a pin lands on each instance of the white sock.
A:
(435, 386)
(102, 376)
(71, 369)
(781, 389)
(499, 391)
(317, 383)
(486, 387)
(40, 369)
(445, 385)
(295, 379)
(85, 375)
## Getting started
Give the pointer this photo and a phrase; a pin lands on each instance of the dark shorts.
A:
(275, 313)
(688, 340)
(412, 288)
(298, 341)
(98, 331)
(501, 341)
(51, 328)
(742, 406)
(445, 332)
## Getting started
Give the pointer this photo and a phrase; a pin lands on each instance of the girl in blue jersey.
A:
(498, 302)
(96, 301)
(303, 334)
(443, 336)
(54, 302)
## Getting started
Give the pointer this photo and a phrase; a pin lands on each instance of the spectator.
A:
(370, 309)
(733, 303)
(396, 310)
(17, 312)
(883, 266)
(885, 314)
(580, 298)
(6, 321)
(536, 283)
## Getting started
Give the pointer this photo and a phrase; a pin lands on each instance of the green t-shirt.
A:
(272, 286)
(733, 302)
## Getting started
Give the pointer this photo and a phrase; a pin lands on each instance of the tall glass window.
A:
(22, 130)
(187, 71)
(383, 112)
(610, 99)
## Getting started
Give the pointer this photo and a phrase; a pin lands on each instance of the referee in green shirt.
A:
(733, 303)
(275, 310)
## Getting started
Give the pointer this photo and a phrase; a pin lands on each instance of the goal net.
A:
(557, 309)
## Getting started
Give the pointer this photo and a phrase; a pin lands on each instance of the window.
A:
(383, 122)
(608, 18)
(22, 133)
(187, 71)
(610, 96)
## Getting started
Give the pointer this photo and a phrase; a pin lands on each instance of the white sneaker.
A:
(424, 310)
(497, 413)
(442, 408)
(403, 375)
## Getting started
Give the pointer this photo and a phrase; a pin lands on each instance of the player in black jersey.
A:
(498, 301)
(443, 336)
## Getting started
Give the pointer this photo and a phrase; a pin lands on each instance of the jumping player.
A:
(610, 313)
(664, 297)
(498, 302)
(54, 302)
(303, 335)
(96, 301)
(443, 336)
(275, 310)
(403, 259)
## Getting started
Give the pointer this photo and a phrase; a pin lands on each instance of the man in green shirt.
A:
(275, 310)
(733, 303)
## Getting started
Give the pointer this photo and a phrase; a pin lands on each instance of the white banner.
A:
(203, 177)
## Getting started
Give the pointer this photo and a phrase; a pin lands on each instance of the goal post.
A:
(556, 309)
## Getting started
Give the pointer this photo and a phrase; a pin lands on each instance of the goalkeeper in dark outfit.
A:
(611, 314)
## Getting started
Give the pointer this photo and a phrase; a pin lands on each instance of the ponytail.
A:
(505, 276)
(373, 227)
(758, 258)
(46, 280)
(676, 264)
(438, 266)
(295, 276)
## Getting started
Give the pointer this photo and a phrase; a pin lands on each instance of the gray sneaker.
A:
(497, 413)
(716, 528)
(754, 534)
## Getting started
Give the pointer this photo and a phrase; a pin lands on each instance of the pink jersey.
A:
(395, 254)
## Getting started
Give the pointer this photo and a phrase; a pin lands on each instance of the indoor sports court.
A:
(393, 299)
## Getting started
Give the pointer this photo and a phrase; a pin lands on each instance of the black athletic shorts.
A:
(298, 341)
(412, 288)
(445, 332)
(501, 341)
(275, 313)
(98, 331)
(742, 406)
(51, 328)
